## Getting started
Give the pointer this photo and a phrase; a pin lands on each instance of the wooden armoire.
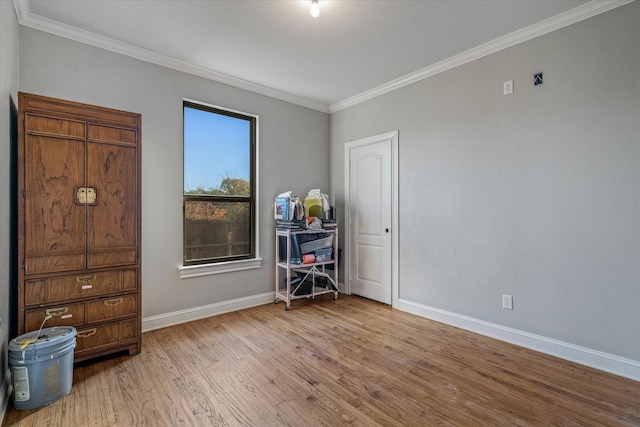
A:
(79, 223)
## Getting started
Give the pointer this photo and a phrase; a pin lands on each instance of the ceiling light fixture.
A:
(315, 8)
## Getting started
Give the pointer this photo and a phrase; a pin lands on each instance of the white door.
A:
(370, 216)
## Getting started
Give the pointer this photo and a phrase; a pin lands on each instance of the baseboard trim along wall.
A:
(188, 315)
(584, 356)
(183, 316)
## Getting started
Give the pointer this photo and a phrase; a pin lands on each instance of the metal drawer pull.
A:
(113, 302)
(85, 287)
(86, 279)
(53, 312)
(87, 333)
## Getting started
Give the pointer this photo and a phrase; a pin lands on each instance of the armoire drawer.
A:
(61, 288)
(83, 313)
(93, 338)
(111, 308)
(65, 315)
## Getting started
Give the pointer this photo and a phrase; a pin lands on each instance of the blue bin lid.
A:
(46, 338)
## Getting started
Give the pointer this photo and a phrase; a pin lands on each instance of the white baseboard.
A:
(585, 356)
(5, 395)
(183, 316)
(188, 315)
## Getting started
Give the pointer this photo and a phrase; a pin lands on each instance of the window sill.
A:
(218, 268)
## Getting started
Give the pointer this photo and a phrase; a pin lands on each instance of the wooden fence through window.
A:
(216, 239)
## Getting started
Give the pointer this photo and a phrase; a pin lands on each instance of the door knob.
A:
(386, 230)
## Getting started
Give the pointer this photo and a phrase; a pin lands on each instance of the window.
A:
(219, 199)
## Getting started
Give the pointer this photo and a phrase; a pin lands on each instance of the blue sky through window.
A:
(216, 146)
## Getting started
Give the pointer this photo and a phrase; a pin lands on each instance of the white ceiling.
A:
(352, 51)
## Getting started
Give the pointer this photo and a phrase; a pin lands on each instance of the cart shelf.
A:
(304, 280)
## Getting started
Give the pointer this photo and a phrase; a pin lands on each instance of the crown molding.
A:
(580, 13)
(28, 19)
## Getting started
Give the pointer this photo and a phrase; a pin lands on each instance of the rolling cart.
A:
(306, 280)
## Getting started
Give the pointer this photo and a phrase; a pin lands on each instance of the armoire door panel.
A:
(54, 126)
(38, 264)
(55, 226)
(99, 133)
(111, 220)
(108, 258)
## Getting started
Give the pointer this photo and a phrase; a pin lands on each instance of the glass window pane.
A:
(216, 229)
(217, 153)
(219, 150)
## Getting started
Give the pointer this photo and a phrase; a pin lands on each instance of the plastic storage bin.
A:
(42, 371)
(314, 245)
(323, 255)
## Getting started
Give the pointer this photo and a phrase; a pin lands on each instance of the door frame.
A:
(393, 136)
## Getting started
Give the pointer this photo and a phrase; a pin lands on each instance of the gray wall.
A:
(535, 194)
(8, 91)
(294, 155)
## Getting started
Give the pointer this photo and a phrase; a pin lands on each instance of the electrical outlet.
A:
(507, 87)
(507, 302)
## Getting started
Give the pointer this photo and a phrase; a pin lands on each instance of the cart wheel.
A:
(286, 308)
(275, 301)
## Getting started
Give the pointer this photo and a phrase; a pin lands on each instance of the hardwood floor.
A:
(331, 363)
